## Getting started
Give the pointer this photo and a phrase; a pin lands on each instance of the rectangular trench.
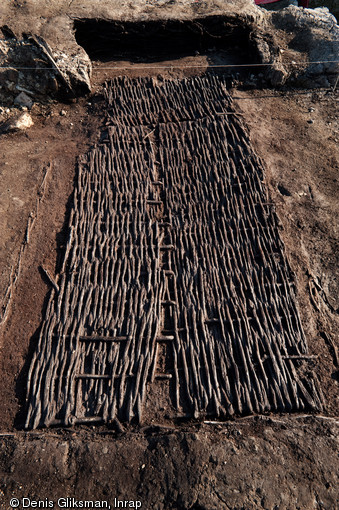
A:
(174, 273)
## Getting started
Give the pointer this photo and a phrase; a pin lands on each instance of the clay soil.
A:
(256, 462)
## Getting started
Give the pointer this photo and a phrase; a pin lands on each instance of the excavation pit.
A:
(213, 41)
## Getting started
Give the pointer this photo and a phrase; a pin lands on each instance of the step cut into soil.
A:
(174, 271)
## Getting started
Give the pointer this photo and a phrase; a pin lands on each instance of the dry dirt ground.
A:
(284, 463)
(270, 462)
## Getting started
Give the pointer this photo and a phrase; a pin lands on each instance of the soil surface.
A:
(271, 462)
(280, 463)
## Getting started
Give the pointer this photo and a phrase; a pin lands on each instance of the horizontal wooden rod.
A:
(173, 331)
(95, 338)
(78, 421)
(154, 202)
(103, 338)
(301, 356)
(167, 272)
(92, 376)
(217, 321)
(169, 303)
(109, 377)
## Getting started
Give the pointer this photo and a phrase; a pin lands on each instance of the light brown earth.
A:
(270, 462)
